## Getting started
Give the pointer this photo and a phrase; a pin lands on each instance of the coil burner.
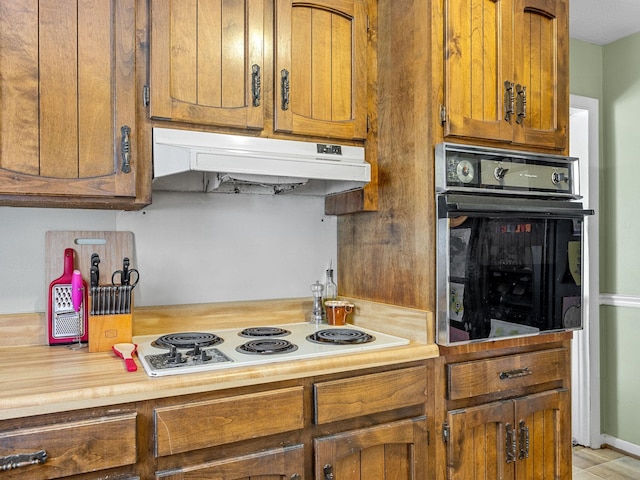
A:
(267, 346)
(264, 332)
(340, 336)
(187, 340)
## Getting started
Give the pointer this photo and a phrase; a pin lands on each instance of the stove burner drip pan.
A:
(187, 340)
(264, 332)
(340, 336)
(267, 347)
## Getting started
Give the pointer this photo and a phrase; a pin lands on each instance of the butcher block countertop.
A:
(38, 379)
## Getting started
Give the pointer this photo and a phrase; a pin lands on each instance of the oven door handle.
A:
(512, 208)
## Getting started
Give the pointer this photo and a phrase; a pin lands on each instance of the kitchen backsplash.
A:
(190, 248)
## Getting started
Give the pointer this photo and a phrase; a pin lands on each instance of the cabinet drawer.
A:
(185, 427)
(354, 397)
(480, 377)
(73, 447)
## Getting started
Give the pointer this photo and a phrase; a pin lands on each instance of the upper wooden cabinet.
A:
(320, 68)
(207, 62)
(210, 65)
(67, 93)
(506, 71)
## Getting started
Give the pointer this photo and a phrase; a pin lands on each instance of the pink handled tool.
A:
(77, 290)
(126, 351)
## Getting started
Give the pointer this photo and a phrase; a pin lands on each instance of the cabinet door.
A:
(541, 66)
(478, 62)
(477, 448)
(67, 92)
(544, 436)
(207, 62)
(390, 451)
(278, 464)
(320, 71)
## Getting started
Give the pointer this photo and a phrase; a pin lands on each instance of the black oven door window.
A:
(512, 276)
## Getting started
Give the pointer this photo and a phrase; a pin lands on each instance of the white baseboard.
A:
(621, 445)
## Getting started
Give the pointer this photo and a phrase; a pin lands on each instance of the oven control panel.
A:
(483, 170)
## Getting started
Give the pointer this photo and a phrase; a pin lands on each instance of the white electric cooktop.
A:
(232, 348)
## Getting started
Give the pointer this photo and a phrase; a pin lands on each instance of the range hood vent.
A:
(185, 160)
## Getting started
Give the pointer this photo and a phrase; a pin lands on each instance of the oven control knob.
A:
(558, 177)
(465, 171)
(500, 172)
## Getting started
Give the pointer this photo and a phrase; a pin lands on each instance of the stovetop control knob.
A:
(500, 172)
(175, 357)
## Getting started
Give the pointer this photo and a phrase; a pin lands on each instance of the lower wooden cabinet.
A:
(99, 443)
(368, 425)
(512, 439)
(480, 414)
(395, 450)
(506, 412)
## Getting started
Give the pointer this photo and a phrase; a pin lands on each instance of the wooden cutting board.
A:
(112, 247)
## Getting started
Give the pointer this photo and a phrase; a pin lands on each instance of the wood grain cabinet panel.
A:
(506, 71)
(379, 392)
(207, 62)
(529, 437)
(67, 92)
(480, 377)
(186, 427)
(321, 69)
(277, 464)
(392, 451)
(73, 447)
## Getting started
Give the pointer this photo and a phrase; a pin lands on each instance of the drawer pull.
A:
(328, 472)
(520, 372)
(11, 462)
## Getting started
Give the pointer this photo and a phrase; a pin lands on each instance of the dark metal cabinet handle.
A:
(328, 472)
(508, 100)
(284, 88)
(255, 85)
(11, 462)
(524, 440)
(125, 149)
(510, 443)
(520, 372)
(521, 103)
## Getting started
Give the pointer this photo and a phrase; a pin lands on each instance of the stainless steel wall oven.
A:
(510, 231)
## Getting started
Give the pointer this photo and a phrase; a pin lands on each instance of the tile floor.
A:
(604, 463)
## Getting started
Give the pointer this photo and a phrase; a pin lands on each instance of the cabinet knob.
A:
(328, 472)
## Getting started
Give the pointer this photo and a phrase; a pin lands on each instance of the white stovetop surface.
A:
(299, 332)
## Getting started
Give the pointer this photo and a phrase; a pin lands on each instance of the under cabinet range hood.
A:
(185, 160)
